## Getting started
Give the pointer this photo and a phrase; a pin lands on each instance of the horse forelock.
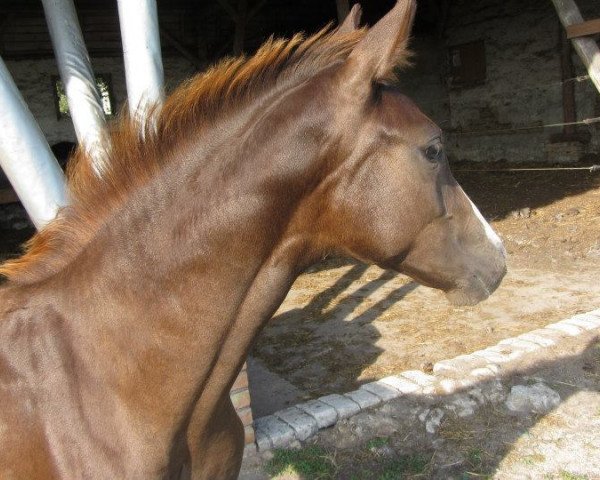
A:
(135, 152)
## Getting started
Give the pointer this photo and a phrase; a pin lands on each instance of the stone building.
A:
(493, 76)
(488, 71)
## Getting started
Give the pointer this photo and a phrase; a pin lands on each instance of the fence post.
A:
(26, 157)
(141, 51)
(77, 75)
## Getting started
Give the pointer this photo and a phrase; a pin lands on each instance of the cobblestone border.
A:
(302, 421)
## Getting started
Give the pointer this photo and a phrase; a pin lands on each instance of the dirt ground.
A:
(468, 435)
(344, 323)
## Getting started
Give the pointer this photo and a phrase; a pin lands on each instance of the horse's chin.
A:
(466, 297)
(477, 290)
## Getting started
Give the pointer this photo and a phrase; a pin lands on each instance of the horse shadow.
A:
(557, 441)
(332, 336)
(501, 193)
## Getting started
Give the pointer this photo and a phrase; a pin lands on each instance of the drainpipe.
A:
(26, 157)
(141, 51)
(77, 76)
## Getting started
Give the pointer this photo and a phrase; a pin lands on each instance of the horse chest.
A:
(42, 433)
(56, 420)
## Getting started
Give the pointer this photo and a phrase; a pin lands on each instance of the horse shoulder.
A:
(25, 452)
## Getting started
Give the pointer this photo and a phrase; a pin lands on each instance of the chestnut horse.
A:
(126, 322)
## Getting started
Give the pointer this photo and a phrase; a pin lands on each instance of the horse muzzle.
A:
(477, 287)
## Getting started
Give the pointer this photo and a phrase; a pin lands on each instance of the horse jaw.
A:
(476, 290)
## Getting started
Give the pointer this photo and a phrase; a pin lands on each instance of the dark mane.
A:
(132, 159)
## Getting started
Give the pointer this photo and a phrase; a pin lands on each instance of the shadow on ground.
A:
(348, 316)
(497, 194)
(472, 434)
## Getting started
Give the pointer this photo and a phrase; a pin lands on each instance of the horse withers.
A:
(125, 323)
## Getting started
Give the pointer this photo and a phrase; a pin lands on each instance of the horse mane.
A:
(134, 151)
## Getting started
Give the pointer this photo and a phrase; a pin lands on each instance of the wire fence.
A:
(591, 169)
(509, 92)
(540, 125)
(585, 121)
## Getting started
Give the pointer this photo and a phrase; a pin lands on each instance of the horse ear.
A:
(385, 44)
(352, 21)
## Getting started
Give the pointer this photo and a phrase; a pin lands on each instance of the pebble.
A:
(432, 419)
(521, 213)
(572, 212)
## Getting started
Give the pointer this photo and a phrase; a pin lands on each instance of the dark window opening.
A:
(104, 85)
(467, 64)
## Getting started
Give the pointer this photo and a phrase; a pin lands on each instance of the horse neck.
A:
(183, 278)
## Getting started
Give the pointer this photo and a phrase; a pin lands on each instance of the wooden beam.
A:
(568, 88)
(586, 48)
(8, 195)
(577, 30)
(177, 45)
(228, 8)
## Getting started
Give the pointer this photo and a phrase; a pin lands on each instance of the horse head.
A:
(389, 196)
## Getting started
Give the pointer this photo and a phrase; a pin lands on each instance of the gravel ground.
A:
(550, 431)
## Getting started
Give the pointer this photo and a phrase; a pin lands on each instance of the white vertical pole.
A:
(26, 157)
(141, 50)
(77, 76)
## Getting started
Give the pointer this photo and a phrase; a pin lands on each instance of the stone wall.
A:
(522, 86)
(34, 78)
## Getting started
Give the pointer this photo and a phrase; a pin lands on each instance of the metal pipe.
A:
(141, 51)
(586, 48)
(77, 75)
(26, 157)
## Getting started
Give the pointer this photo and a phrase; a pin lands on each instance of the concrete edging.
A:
(304, 420)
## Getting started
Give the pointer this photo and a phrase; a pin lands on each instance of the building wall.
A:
(34, 80)
(522, 87)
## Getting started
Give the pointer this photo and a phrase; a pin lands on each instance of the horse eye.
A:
(434, 152)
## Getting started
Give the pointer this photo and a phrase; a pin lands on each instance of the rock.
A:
(432, 419)
(494, 392)
(267, 455)
(427, 367)
(571, 212)
(383, 451)
(594, 250)
(463, 406)
(521, 213)
(525, 212)
(537, 398)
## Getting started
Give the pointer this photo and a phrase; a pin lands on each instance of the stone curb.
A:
(304, 420)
